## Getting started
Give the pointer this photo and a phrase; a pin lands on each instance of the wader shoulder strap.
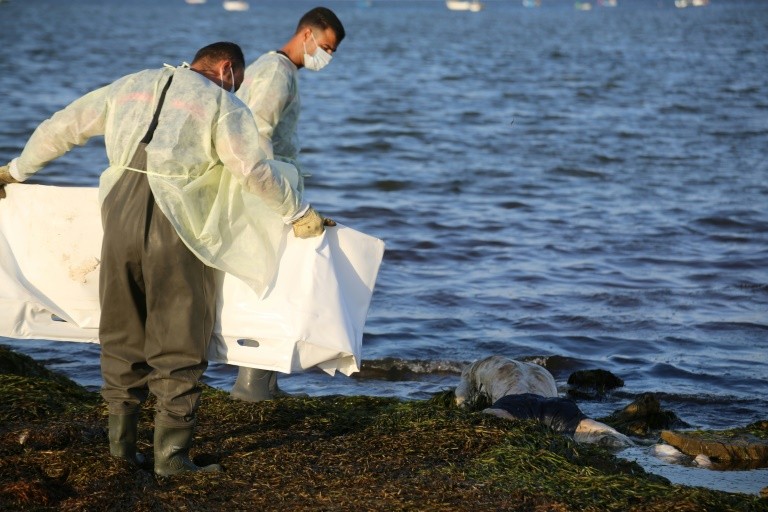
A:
(153, 125)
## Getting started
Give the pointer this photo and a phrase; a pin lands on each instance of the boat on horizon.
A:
(236, 5)
(464, 5)
(681, 4)
(531, 3)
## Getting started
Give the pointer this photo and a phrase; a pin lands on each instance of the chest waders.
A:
(157, 314)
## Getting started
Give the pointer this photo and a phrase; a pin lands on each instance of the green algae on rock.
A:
(733, 447)
(30, 391)
(643, 417)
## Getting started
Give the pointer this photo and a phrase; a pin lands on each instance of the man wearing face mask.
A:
(271, 90)
(183, 153)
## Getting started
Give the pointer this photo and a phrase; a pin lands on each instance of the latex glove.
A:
(311, 224)
(5, 178)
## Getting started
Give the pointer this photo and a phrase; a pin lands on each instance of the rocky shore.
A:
(325, 453)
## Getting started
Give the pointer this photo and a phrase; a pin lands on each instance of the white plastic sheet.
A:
(50, 243)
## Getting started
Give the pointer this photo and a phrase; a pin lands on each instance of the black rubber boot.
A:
(172, 451)
(122, 437)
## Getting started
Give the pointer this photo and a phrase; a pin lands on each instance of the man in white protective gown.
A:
(271, 90)
(189, 189)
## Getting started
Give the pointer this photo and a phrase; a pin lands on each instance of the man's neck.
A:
(294, 51)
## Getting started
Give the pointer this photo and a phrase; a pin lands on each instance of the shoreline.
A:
(326, 453)
(80, 362)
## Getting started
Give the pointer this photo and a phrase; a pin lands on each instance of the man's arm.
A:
(237, 144)
(74, 125)
(259, 175)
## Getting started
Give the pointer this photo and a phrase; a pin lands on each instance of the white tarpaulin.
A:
(50, 244)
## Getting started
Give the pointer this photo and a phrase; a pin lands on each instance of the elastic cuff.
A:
(14, 170)
(302, 211)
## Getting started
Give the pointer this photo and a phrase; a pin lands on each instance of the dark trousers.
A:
(157, 306)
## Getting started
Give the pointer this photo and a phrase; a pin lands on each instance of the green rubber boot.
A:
(122, 437)
(172, 451)
(255, 385)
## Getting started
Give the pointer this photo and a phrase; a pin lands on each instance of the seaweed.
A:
(321, 453)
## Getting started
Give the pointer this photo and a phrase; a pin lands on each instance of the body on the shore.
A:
(520, 390)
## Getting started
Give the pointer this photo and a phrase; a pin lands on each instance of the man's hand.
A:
(311, 224)
(5, 178)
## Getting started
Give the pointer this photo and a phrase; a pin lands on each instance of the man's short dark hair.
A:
(222, 50)
(322, 18)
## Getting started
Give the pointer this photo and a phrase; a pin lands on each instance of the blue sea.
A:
(583, 189)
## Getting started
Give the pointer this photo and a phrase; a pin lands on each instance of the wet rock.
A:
(643, 416)
(592, 383)
(728, 446)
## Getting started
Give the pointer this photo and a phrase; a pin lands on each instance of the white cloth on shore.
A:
(313, 315)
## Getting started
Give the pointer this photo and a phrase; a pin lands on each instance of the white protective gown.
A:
(271, 90)
(207, 166)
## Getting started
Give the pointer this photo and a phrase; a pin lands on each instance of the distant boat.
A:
(464, 5)
(195, 1)
(582, 6)
(680, 4)
(531, 3)
(235, 5)
(607, 3)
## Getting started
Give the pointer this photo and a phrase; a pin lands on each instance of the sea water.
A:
(581, 189)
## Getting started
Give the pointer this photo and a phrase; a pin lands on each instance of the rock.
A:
(586, 383)
(643, 416)
(720, 446)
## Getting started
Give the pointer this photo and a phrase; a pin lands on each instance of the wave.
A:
(398, 369)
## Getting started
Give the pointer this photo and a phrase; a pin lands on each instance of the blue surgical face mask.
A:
(319, 59)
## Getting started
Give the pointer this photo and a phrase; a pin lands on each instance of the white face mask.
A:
(317, 60)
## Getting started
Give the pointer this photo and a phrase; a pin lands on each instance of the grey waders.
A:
(157, 316)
